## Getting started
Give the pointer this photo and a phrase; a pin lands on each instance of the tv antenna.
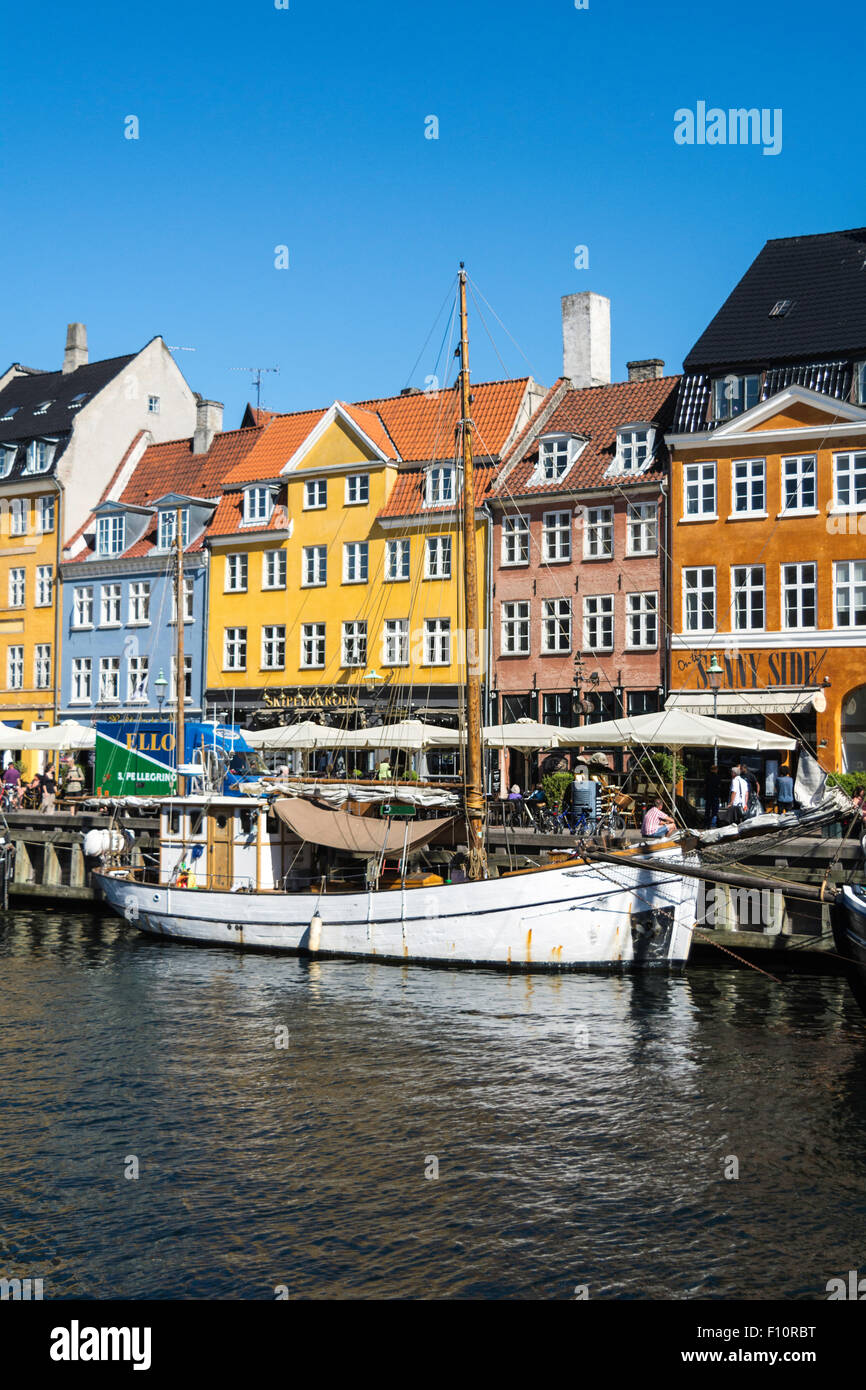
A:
(258, 373)
(179, 349)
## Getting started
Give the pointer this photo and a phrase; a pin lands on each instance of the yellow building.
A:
(336, 569)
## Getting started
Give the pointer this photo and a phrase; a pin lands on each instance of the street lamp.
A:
(160, 685)
(716, 675)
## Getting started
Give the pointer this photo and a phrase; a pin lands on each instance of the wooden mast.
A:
(474, 767)
(180, 668)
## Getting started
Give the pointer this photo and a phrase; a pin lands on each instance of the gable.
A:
(336, 446)
(799, 416)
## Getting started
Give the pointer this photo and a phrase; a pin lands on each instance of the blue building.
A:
(119, 573)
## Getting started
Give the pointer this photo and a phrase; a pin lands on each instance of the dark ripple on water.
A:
(582, 1126)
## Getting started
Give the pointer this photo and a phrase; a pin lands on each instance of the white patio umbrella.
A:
(524, 733)
(57, 738)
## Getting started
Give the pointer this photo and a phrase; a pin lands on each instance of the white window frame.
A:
(138, 608)
(793, 579)
(82, 676)
(274, 568)
(188, 601)
(700, 492)
(735, 388)
(258, 506)
(15, 667)
(153, 404)
(274, 647)
(514, 627)
(357, 483)
(137, 679)
(353, 643)
(800, 469)
(45, 511)
(747, 582)
(110, 600)
(598, 621)
(556, 538)
(705, 584)
(397, 561)
(314, 566)
(109, 679)
(17, 587)
(515, 541)
(642, 620)
(234, 648)
(166, 536)
(556, 621)
(849, 468)
(635, 447)
(110, 535)
(754, 473)
(356, 562)
(556, 455)
(846, 583)
(437, 557)
(236, 572)
(437, 642)
(314, 490)
(19, 516)
(440, 485)
(44, 596)
(39, 455)
(313, 649)
(642, 528)
(42, 666)
(395, 642)
(82, 602)
(598, 533)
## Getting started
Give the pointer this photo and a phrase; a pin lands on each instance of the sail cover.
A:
(355, 834)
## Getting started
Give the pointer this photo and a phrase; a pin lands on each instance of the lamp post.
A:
(160, 685)
(716, 675)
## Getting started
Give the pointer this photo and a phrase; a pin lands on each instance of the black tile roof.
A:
(823, 276)
(29, 392)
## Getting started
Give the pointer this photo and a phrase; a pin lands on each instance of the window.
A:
(109, 615)
(315, 566)
(556, 625)
(860, 383)
(19, 510)
(437, 557)
(357, 489)
(44, 585)
(167, 532)
(850, 475)
(437, 641)
(355, 558)
(7, 459)
(553, 460)
(39, 455)
(641, 616)
(82, 680)
(274, 569)
(634, 448)
(236, 574)
(354, 644)
(799, 490)
(850, 585)
(749, 597)
(153, 405)
(439, 487)
(699, 489)
(396, 561)
(78, 401)
(15, 667)
(642, 528)
(598, 534)
(273, 648)
(109, 679)
(556, 537)
(699, 599)
(515, 628)
(110, 535)
(139, 603)
(313, 644)
(799, 596)
(515, 540)
(235, 649)
(17, 587)
(12, 410)
(557, 709)
(642, 702)
(188, 600)
(187, 681)
(732, 395)
(598, 623)
(749, 486)
(45, 514)
(315, 494)
(395, 642)
(258, 505)
(82, 607)
(42, 408)
(137, 671)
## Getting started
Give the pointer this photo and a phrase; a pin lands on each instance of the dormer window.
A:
(733, 394)
(441, 485)
(78, 401)
(10, 412)
(39, 456)
(7, 458)
(110, 535)
(43, 408)
(167, 533)
(258, 505)
(860, 383)
(634, 447)
(556, 454)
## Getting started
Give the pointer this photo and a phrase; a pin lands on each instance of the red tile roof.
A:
(595, 412)
(422, 424)
(407, 494)
(280, 439)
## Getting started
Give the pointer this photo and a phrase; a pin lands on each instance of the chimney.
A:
(75, 355)
(208, 422)
(648, 369)
(586, 339)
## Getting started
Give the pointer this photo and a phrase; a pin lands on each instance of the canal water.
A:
(181, 1122)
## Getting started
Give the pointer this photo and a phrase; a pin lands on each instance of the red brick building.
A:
(579, 576)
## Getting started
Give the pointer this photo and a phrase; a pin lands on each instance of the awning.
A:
(676, 728)
(56, 738)
(758, 702)
(355, 834)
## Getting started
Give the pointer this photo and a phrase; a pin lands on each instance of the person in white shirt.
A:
(739, 798)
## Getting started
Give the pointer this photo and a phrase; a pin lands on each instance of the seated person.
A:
(537, 795)
(656, 822)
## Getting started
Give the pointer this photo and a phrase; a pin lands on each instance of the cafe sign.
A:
(753, 670)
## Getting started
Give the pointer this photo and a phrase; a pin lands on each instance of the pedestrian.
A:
(74, 784)
(49, 791)
(754, 807)
(784, 791)
(739, 797)
(12, 785)
(656, 823)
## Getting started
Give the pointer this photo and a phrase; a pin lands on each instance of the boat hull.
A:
(848, 918)
(569, 917)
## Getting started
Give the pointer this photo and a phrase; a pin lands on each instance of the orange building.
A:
(768, 502)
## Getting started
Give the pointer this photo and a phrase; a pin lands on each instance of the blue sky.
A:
(304, 127)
